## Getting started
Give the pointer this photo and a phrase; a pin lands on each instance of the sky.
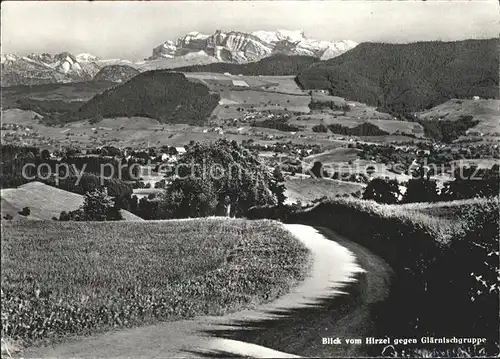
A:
(131, 29)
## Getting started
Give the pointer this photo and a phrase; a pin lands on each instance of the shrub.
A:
(25, 211)
(320, 128)
(420, 190)
(382, 190)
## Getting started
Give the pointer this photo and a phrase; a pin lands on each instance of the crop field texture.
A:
(44, 202)
(67, 278)
(309, 189)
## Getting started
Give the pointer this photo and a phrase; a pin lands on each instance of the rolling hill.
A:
(409, 77)
(162, 95)
(44, 202)
(276, 65)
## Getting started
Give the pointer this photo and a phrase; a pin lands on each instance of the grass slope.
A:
(409, 77)
(342, 154)
(162, 95)
(95, 276)
(483, 110)
(309, 189)
(44, 202)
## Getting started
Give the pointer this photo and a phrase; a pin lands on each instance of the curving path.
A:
(335, 300)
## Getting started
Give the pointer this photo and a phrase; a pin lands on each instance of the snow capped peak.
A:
(240, 47)
(279, 35)
(9, 57)
(86, 57)
(196, 35)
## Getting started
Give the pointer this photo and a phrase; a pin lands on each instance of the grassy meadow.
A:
(44, 202)
(309, 189)
(77, 278)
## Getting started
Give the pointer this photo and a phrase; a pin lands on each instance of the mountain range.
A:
(241, 47)
(192, 49)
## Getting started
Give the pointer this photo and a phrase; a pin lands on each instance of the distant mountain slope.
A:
(116, 73)
(44, 202)
(409, 77)
(37, 69)
(276, 65)
(162, 95)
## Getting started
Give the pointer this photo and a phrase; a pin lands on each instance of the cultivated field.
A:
(336, 155)
(306, 190)
(252, 92)
(67, 278)
(44, 202)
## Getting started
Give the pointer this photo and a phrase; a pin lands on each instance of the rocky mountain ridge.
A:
(241, 47)
(192, 49)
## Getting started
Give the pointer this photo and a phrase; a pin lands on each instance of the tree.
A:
(472, 182)
(382, 190)
(277, 186)
(97, 206)
(172, 151)
(45, 155)
(25, 212)
(421, 190)
(212, 176)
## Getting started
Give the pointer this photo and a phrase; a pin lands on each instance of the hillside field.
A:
(44, 202)
(306, 190)
(333, 156)
(252, 92)
(87, 277)
(485, 111)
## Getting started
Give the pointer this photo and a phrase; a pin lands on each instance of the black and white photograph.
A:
(257, 179)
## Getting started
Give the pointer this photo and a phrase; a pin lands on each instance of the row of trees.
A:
(468, 183)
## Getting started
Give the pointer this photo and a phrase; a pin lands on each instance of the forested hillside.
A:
(276, 65)
(162, 95)
(409, 77)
